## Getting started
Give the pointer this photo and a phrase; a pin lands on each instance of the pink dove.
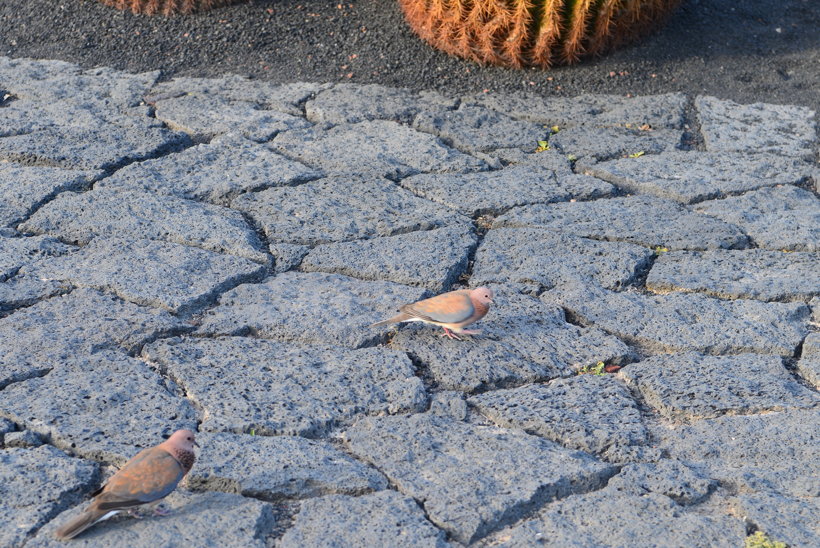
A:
(147, 478)
(453, 311)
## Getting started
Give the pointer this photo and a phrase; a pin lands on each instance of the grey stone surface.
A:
(768, 452)
(784, 519)
(378, 147)
(692, 386)
(271, 388)
(196, 519)
(550, 159)
(26, 438)
(783, 217)
(26, 290)
(106, 406)
(25, 188)
(16, 252)
(678, 322)
(433, 258)
(351, 103)
(450, 404)
(106, 147)
(613, 519)
(594, 143)
(36, 484)
(747, 274)
(340, 209)
(658, 111)
(204, 116)
(522, 340)
(83, 113)
(278, 467)
(175, 277)
(474, 128)
(40, 337)
(681, 483)
(783, 129)
(79, 217)
(642, 220)
(385, 519)
(588, 412)
(547, 258)
(693, 176)
(215, 172)
(809, 364)
(287, 256)
(472, 479)
(494, 192)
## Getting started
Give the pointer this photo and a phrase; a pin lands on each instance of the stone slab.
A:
(784, 519)
(591, 144)
(248, 385)
(683, 484)
(522, 340)
(287, 256)
(385, 519)
(79, 217)
(215, 172)
(26, 438)
(550, 159)
(587, 412)
(694, 176)
(747, 274)
(472, 479)
(16, 252)
(493, 192)
(195, 519)
(642, 220)
(433, 259)
(340, 209)
(782, 218)
(692, 386)
(547, 258)
(174, 277)
(786, 130)
(38, 338)
(35, 485)
(351, 103)
(25, 290)
(678, 323)
(809, 364)
(378, 147)
(23, 189)
(278, 467)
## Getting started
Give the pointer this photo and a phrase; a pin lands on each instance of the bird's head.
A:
(483, 295)
(183, 440)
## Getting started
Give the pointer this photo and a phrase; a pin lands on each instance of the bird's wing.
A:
(151, 475)
(452, 307)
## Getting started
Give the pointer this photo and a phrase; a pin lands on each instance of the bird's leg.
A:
(448, 333)
(471, 331)
(160, 511)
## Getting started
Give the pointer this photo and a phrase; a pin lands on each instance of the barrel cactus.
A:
(167, 7)
(540, 33)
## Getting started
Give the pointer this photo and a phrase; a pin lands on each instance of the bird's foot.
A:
(450, 334)
(134, 513)
(471, 331)
(160, 511)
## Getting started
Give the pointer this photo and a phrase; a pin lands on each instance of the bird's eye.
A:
(189, 439)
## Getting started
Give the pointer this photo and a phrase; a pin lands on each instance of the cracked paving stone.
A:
(39, 338)
(785, 519)
(80, 217)
(273, 388)
(378, 147)
(16, 252)
(105, 406)
(341, 209)
(310, 307)
(351, 103)
(287, 256)
(809, 363)
(782, 218)
(588, 412)
(522, 340)
(387, 519)
(642, 220)
(36, 484)
(278, 467)
(175, 277)
(433, 258)
(681, 483)
(472, 479)
(195, 519)
(24, 290)
(547, 258)
(727, 126)
(692, 386)
(473, 128)
(496, 191)
(679, 323)
(98, 148)
(204, 116)
(215, 172)
(753, 453)
(23, 189)
(596, 144)
(550, 159)
(748, 274)
(694, 176)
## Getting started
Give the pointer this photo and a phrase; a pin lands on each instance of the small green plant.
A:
(542, 146)
(572, 157)
(660, 249)
(597, 369)
(555, 129)
(637, 154)
(760, 540)
(253, 431)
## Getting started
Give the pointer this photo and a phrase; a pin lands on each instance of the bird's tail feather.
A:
(79, 524)
(395, 319)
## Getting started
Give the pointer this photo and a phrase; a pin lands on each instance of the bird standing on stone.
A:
(453, 311)
(146, 479)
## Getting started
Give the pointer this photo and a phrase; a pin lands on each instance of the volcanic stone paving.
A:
(210, 254)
